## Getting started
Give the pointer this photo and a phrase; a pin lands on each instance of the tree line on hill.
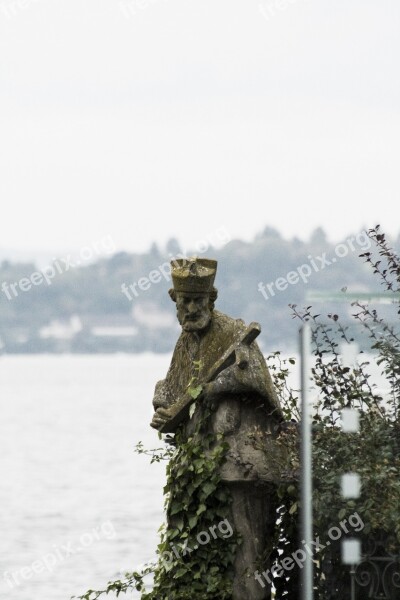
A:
(121, 302)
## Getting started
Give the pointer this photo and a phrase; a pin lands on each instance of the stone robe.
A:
(247, 409)
(247, 412)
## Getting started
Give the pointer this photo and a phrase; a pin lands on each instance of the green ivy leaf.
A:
(194, 392)
(193, 521)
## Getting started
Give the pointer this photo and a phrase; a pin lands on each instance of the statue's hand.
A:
(161, 416)
(160, 396)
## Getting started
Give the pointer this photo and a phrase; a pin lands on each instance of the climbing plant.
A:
(373, 452)
(197, 547)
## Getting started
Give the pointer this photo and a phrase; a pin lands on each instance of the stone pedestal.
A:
(253, 514)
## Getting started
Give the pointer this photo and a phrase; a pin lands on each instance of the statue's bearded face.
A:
(194, 312)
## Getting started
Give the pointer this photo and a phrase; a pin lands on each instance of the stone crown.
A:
(193, 275)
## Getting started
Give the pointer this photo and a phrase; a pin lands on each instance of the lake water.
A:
(78, 506)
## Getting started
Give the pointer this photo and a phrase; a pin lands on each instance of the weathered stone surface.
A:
(245, 409)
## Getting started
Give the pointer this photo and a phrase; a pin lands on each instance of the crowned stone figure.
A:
(220, 353)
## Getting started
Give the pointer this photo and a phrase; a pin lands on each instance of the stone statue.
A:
(221, 354)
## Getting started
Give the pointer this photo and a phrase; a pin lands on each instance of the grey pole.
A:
(353, 582)
(306, 462)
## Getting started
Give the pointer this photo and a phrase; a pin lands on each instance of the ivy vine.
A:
(196, 501)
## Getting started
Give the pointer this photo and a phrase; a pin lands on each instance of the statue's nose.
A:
(192, 307)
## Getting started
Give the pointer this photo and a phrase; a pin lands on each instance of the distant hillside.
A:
(86, 309)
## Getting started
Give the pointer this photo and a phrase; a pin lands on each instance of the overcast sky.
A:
(142, 120)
